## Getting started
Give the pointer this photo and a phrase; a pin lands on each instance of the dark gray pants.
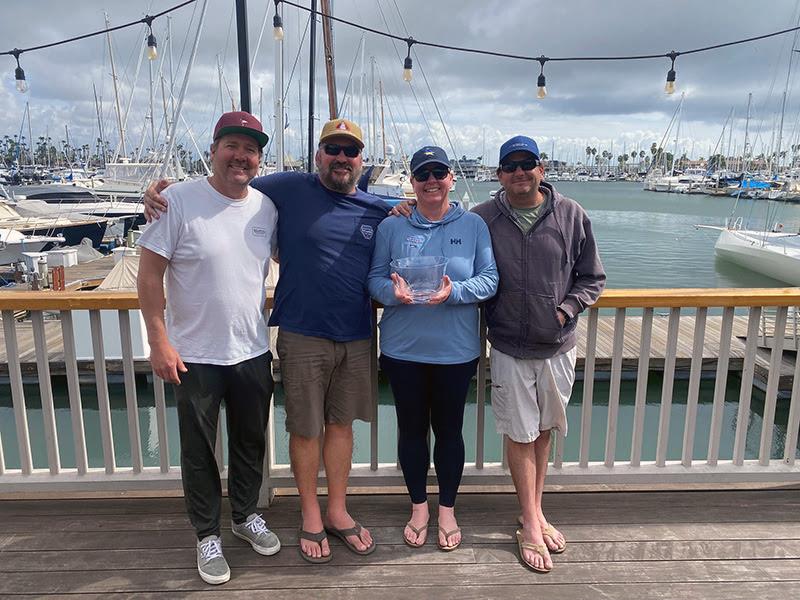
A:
(246, 388)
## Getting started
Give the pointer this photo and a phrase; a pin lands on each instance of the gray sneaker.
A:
(254, 531)
(211, 565)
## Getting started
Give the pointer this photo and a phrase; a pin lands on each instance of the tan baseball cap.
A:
(342, 128)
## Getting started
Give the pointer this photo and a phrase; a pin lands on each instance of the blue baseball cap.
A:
(427, 155)
(519, 143)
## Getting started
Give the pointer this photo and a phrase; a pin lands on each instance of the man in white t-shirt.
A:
(214, 245)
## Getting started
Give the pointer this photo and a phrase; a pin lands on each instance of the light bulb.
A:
(277, 28)
(22, 84)
(669, 87)
(152, 47)
(407, 65)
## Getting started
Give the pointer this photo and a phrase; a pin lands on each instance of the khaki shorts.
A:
(324, 382)
(531, 395)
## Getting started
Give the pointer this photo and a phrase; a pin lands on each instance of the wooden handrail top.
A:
(698, 297)
(620, 298)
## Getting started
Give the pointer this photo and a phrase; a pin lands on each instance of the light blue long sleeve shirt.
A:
(446, 333)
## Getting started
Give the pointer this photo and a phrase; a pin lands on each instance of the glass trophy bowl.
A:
(422, 274)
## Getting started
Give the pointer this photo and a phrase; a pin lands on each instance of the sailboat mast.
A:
(383, 132)
(746, 128)
(330, 75)
(279, 98)
(116, 89)
(99, 126)
(312, 49)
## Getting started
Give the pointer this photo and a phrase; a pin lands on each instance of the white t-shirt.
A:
(219, 252)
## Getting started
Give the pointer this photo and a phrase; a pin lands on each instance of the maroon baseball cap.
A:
(241, 122)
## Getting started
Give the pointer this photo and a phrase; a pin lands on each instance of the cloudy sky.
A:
(464, 102)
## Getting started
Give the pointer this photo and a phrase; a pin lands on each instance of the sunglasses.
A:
(424, 174)
(526, 165)
(335, 149)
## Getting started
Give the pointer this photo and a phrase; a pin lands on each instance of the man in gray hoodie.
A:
(550, 272)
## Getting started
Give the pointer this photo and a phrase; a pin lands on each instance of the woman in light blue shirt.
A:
(429, 350)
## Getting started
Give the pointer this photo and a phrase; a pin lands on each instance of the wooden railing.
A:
(736, 307)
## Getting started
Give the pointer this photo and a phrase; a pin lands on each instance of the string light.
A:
(277, 24)
(408, 63)
(669, 87)
(541, 91)
(19, 73)
(152, 45)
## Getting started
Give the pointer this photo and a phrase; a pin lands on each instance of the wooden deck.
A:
(626, 545)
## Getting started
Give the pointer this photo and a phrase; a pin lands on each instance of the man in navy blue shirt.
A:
(326, 233)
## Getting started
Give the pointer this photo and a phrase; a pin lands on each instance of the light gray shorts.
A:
(324, 382)
(531, 395)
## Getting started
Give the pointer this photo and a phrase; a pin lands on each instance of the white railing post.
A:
(74, 391)
(17, 392)
(642, 373)
(103, 401)
(696, 369)
(773, 379)
(46, 393)
(588, 388)
(746, 391)
(667, 386)
(131, 402)
(720, 385)
(614, 387)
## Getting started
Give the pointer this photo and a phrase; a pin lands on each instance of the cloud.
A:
(468, 102)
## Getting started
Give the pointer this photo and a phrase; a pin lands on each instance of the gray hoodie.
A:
(555, 265)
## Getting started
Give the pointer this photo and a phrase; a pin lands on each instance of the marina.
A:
(676, 475)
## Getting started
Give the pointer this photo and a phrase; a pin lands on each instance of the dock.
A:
(604, 349)
(727, 545)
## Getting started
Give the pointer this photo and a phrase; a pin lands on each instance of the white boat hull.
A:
(776, 255)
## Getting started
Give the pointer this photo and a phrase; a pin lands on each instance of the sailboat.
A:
(772, 251)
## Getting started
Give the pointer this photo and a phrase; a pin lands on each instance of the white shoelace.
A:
(257, 525)
(211, 549)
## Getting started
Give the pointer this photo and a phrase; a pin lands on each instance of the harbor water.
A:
(646, 240)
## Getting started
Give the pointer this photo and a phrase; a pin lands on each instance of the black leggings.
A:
(428, 395)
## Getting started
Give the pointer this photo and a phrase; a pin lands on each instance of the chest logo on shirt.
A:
(367, 231)
(259, 232)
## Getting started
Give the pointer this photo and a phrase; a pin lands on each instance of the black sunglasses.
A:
(335, 149)
(424, 174)
(526, 165)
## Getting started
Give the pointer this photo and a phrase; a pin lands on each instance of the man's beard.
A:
(343, 186)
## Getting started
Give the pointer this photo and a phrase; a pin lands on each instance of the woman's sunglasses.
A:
(424, 174)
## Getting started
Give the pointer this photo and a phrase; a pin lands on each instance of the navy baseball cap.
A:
(519, 143)
(427, 155)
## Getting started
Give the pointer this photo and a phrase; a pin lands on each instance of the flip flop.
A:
(342, 534)
(539, 549)
(447, 534)
(318, 537)
(550, 532)
(416, 531)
